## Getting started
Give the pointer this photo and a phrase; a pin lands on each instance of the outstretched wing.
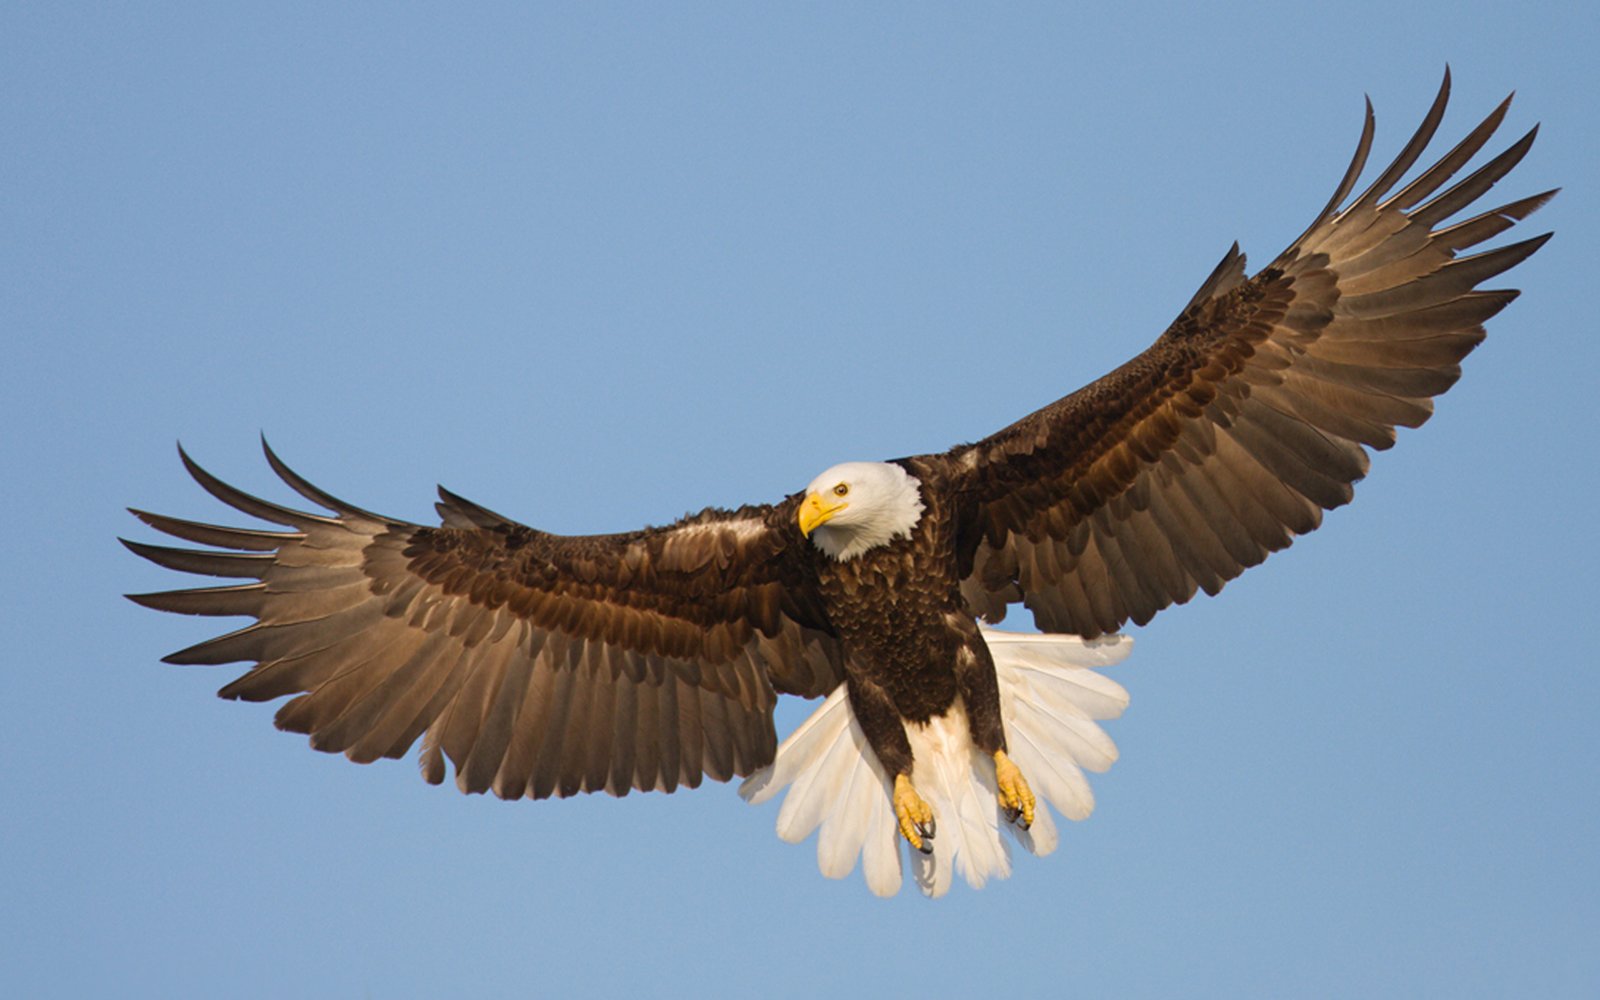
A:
(538, 664)
(1251, 414)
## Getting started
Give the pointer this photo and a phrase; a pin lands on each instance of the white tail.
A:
(1049, 699)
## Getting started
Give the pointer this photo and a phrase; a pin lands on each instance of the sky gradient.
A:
(594, 266)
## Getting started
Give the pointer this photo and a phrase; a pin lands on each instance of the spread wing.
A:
(1252, 413)
(538, 664)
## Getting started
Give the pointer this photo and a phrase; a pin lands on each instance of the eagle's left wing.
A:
(1251, 414)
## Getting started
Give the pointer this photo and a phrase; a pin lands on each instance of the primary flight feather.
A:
(543, 665)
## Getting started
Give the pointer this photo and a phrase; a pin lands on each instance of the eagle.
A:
(543, 665)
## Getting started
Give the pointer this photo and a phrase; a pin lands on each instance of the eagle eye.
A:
(841, 490)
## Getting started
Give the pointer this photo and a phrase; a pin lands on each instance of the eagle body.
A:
(911, 645)
(536, 665)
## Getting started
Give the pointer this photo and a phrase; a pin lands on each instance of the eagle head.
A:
(856, 506)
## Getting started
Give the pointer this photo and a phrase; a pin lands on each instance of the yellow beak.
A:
(815, 510)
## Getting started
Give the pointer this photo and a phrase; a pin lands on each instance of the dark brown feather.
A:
(537, 664)
(1251, 414)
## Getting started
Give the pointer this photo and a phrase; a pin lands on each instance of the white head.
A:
(858, 505)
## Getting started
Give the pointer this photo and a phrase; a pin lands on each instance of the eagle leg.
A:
(915, 815)
(1016, 798)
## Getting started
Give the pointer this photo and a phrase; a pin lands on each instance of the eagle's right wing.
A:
(538, 664)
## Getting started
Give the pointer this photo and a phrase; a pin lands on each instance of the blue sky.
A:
(598, 265)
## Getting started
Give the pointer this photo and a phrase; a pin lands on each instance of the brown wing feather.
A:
(537, 664)
(1252, 413)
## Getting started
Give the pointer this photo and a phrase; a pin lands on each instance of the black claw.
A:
(1015, 816)
(931, 827)
(926, 847)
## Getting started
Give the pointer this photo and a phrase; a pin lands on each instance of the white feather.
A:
(1050, 697)
(885, 503)
(958, 782)
(829, 752)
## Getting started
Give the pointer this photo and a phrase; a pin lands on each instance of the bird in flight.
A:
(544, 665)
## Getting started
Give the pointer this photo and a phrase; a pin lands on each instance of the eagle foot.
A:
(1016, 798)
(915, 815)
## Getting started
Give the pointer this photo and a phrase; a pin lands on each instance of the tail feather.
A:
(841, 841)
(1051, 735)
(1050, 697)
(959, 784)
(816, 788)
(1055, 778)
(827, 752)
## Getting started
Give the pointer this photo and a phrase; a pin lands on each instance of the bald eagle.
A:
(543, 665)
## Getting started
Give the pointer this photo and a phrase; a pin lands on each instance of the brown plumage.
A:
(543, 665)
(540, 665)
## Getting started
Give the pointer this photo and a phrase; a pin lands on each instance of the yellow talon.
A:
(914, 813)
(1015, 795)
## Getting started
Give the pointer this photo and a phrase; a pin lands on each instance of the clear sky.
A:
(598, 265)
